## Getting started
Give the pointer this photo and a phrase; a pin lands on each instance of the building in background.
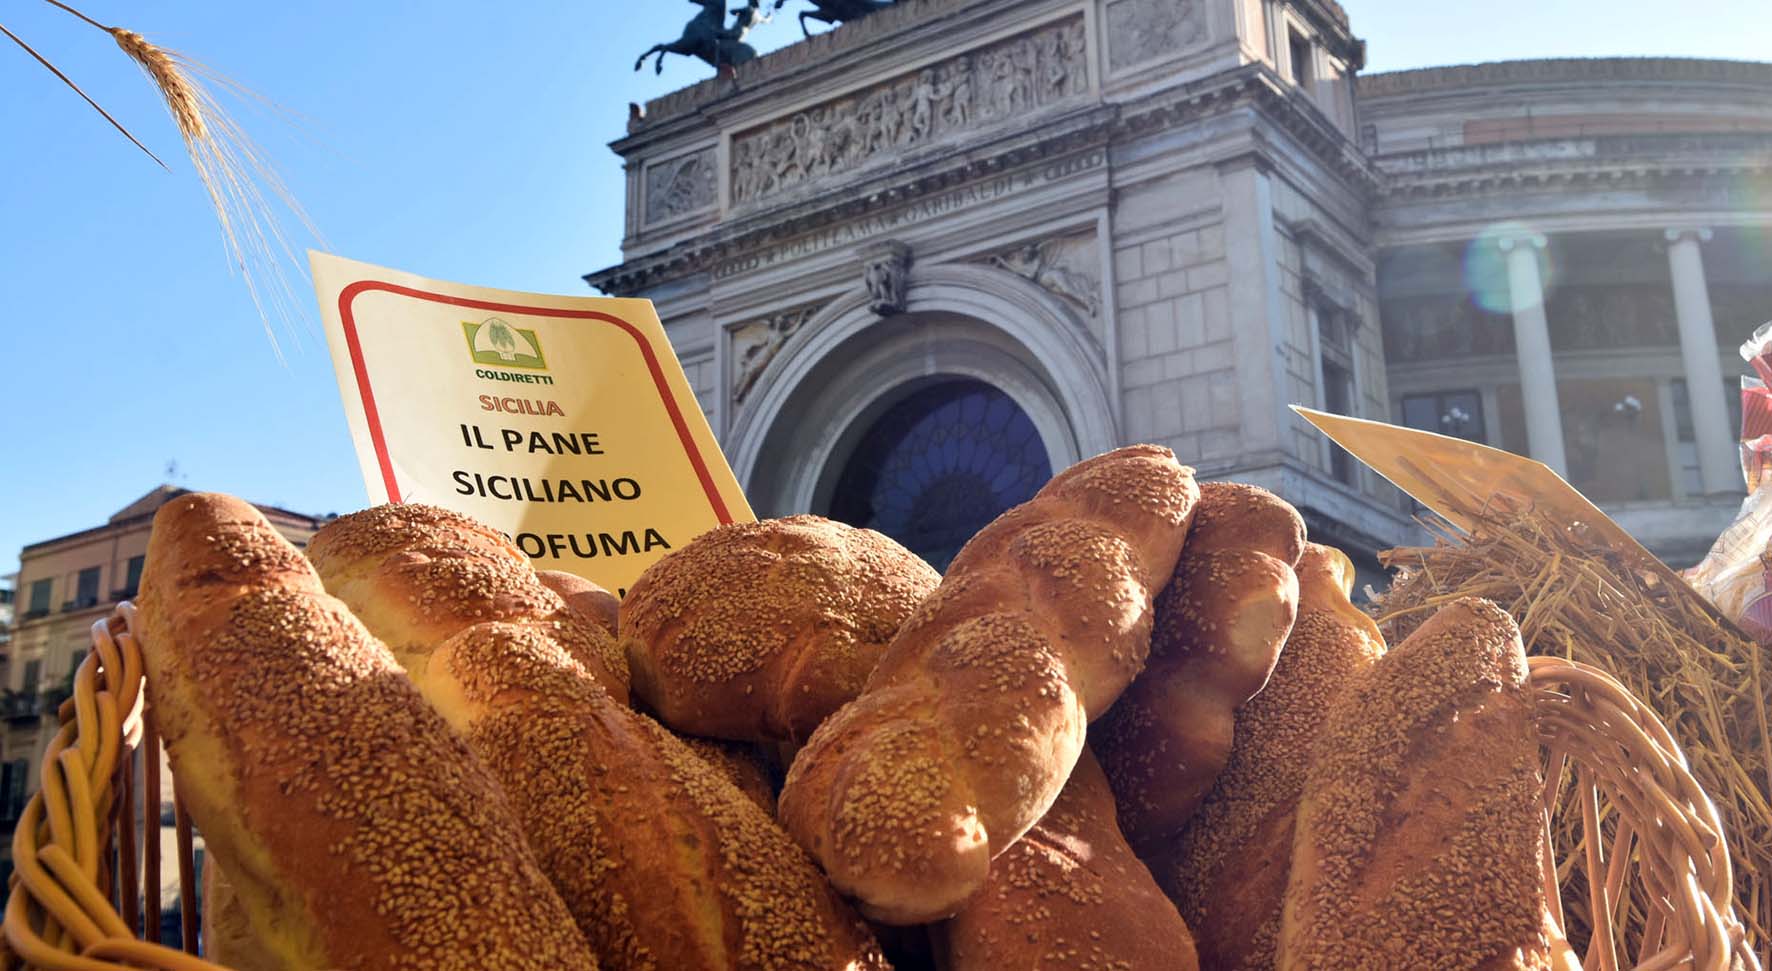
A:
(915, 264)
(1570, 254)
(63, 587)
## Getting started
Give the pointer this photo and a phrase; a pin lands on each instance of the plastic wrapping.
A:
(1736, 575)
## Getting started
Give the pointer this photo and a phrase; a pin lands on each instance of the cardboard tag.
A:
(566, 422)
(1456, 478)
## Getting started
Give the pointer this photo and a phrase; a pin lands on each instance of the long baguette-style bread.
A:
(1418, 841)
(1219, 626)
(663, 863)
(758, 631)
(358, 830)
(1227, 872)
(970, 725)
(1069, 895)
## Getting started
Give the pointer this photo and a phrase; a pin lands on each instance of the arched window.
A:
(939, 465)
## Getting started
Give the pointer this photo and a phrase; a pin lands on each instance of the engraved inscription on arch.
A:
(979, 87)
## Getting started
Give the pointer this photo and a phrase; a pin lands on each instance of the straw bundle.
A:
(1574, 597)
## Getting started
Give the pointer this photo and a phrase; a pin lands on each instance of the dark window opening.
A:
(1455, 413)
(1300, 49)
(86, 588)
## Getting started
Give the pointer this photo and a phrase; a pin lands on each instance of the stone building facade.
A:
(915, 264)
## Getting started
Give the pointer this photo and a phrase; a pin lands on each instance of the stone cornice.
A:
(962, 163)
(1607, 161)
(1567, 70)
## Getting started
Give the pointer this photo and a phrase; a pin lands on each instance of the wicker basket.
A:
(1607, 756)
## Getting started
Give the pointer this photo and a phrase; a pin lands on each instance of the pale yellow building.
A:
(64, 586)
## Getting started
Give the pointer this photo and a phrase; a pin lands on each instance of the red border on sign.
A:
(348, 317)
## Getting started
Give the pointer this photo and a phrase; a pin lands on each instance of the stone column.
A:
(1718, 454)
(1532, 347)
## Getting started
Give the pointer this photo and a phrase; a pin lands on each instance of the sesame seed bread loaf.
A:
(456, 572)
(1069, 894)
(1418, 839)
(1220, 623)
(358, 830)
(663, 863)
(740, 764)
(969, 726)
(758, 631)
(1227, 872)
(590, 601)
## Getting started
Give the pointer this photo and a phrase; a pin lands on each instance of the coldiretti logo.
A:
(494, 342)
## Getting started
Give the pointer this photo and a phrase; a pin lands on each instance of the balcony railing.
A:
(20, 705)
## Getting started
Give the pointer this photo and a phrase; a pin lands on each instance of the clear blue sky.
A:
(463, 140)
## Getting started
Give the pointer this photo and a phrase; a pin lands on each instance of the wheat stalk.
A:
(233, 171)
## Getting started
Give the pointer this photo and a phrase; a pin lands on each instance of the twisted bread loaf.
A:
(758, 631)
(969, 727)
(590, 601)
(1418, 842)
(1220, 623)
(1227, 873)
(1069, 894)
(663, 863)
(358, 831)
(450, 561)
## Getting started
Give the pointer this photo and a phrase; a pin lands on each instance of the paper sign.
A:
(567, 422)
(1456, 478)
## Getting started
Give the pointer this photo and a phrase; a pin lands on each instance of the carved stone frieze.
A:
(755, 343)
(1145, 30)
(982, 86)
(1066, 266)
(886, 272)
(679, 186)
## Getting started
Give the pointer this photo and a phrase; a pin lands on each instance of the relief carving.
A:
(886, 272)
(1066, 266)
(757, 342)
(680, 185)
(1144, 30)
(991, 84)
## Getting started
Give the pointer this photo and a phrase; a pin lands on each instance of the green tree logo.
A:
(495, 342)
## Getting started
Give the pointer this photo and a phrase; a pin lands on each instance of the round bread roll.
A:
(592, 602)
(758, 631)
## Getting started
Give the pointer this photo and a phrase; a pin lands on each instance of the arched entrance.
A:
(791, 442)
(940, 464)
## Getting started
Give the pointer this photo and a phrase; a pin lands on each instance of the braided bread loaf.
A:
(1219, 626)
(663, 863)
(1069, 894)
(967, 730)
(1227, 872)
(357, 830)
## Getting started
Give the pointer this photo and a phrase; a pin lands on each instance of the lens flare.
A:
(1485, 267)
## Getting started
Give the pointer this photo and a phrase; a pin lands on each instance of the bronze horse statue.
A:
(831, 11)
(706, 37)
